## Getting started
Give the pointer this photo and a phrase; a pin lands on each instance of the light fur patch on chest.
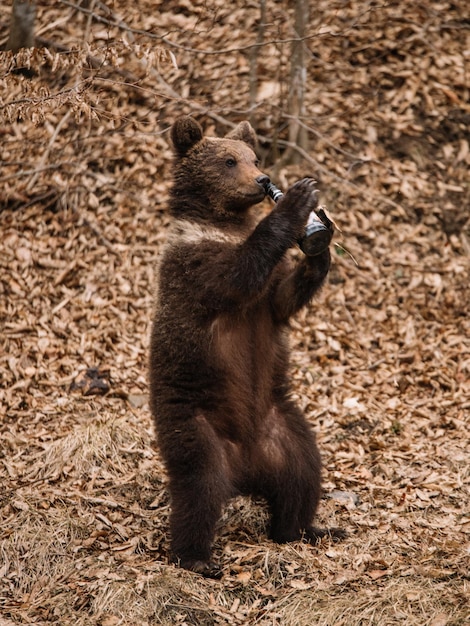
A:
(186, 232)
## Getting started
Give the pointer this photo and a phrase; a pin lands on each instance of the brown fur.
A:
(218, 367)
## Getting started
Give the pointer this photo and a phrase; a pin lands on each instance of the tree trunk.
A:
(298, 79)
(254, 59)
(22, 26)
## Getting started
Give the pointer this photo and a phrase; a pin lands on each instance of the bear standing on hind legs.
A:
(219, 389)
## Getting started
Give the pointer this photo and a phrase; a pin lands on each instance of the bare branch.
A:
(116, 22)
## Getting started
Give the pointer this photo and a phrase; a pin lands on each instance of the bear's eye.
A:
(230, 162)
(257, 163)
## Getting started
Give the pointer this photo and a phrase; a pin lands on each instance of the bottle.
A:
(317, 236)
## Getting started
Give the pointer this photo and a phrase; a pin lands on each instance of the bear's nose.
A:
(262, 180)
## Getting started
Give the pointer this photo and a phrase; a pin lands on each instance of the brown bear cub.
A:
(219, 387)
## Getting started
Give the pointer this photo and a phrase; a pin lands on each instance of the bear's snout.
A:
(262, 180)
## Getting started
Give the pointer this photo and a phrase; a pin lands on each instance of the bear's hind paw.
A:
(315, 535)
(203, 568)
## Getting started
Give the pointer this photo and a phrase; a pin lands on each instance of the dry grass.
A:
(381, 361)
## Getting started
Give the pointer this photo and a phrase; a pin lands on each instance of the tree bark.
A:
(22, 26)
(254, 79)
(298, 78)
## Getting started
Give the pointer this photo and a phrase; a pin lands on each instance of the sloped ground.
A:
(381, 361)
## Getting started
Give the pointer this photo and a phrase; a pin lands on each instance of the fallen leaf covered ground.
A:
(380, 361)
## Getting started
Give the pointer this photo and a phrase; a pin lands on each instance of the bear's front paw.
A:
(300, 200)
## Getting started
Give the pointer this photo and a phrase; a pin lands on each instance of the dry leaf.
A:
(441, 619)
(243, 577)
(296, 583)
(375, 574)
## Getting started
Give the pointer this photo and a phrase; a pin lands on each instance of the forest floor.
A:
(380, 360)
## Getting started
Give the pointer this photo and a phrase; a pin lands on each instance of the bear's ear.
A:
(185, 133)
(244, 132)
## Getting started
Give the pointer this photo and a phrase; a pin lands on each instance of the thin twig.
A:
(137, 31)
(46, 152)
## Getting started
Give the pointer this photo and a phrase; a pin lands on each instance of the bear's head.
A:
(214, 178)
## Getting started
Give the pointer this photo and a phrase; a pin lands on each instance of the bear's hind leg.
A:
(293, 508)
(294, 485)
(292, 505)
(196, 505)
(199, 486)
